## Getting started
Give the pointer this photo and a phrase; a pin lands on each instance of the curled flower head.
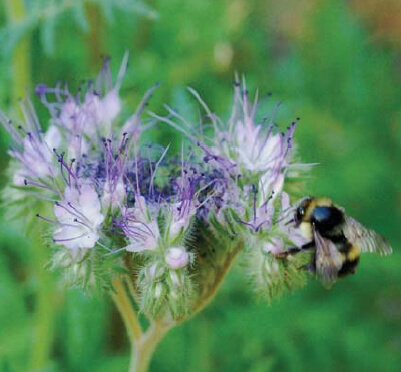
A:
(176, 220)
(245, 147)
(253, 156)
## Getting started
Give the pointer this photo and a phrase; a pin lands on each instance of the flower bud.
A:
(177, 258)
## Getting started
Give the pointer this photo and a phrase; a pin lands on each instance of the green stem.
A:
(143, 344)
(143, 350)
(124, 306)
(21, 58)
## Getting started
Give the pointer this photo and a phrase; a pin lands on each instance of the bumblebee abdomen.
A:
(353, 252)
(351, 259)
(348, 267)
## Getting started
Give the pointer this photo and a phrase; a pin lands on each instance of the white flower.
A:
(142, 232)
(37, 156)
(113, 194)
(79, 217)
(274, 246)
(53, 137)
(181, 216)
(68, 114)
(271, 183)
(255, 150)
(77, 146)
(263, 216)
(110, 106)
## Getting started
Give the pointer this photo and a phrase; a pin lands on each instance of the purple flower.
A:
(245, 146)
(261, 153)
(93, 116)
(115, 165)
(36, 155)
(31, 149)
(250, 155)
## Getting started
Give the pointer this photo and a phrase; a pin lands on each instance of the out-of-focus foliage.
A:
(44, 16)
(331, 63)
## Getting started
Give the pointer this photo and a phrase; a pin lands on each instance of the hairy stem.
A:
(143, 350)
(143, 344)
(124, 306)
(132, 277)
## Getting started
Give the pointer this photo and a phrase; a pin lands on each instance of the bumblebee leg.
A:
(295, 250)
(308, 267)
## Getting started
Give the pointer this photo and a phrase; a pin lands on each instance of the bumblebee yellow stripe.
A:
(353, 253)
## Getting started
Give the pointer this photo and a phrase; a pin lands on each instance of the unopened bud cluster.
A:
(173, 223)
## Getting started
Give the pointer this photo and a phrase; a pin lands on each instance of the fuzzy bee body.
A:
(337, 239)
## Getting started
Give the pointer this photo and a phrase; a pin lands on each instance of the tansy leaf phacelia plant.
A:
(147, 226)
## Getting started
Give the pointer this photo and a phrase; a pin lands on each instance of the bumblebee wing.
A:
(367, 240)
(328, 260)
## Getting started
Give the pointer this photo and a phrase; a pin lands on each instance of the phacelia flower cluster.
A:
(171, 222)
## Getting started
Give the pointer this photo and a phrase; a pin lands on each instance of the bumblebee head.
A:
(313, 210)
(301, 211)
(319, 212)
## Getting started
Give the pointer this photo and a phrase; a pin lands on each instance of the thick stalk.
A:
(124, 306)
(143, 350)
(143, 344)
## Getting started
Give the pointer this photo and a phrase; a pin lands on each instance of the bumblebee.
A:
(336, 239)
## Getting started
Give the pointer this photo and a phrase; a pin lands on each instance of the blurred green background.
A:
(336, 64)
